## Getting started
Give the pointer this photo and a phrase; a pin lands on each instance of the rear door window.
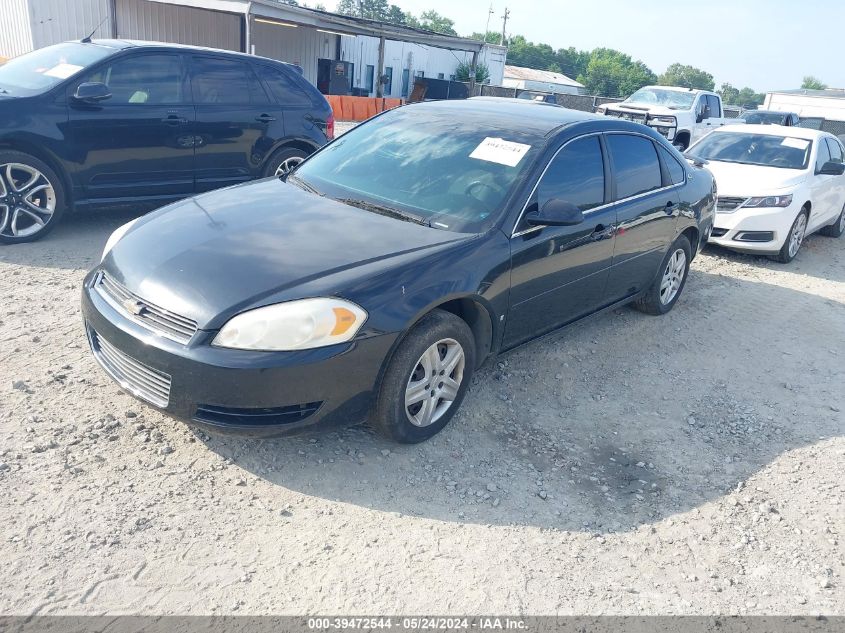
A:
(677, 174)
(576, 175)
(836, 154)
(217, 81)
(635, 164)
(283, 88)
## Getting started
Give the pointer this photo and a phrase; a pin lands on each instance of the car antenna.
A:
(87, 40)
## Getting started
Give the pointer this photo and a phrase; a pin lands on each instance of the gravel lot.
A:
(685, 464)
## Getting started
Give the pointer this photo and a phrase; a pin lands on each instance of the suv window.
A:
(225, 82)
(283, 88)
(576, 175)
(154, 79)
(677, 174)
(635, 164)
(822, 157)
(836, 154)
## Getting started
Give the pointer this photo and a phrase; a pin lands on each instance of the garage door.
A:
(153, 21)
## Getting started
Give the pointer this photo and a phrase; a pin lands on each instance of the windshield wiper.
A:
(384, 210)
(299, 182)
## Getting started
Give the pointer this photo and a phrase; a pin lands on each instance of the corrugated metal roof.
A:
(835, 93)
(532, 74)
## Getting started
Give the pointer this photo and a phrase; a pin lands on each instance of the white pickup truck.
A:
(681, 115)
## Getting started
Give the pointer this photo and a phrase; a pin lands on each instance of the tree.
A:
(432, 21)
(491, 37)
(610, 73)
(371, 9)
(748, 98)
(686, 77)
(571, 61)
(812, 83)
(464, 71)
(729, 94)
(395, 15)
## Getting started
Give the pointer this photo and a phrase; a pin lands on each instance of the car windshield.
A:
(754, 149)
(446, 168)
(764, 118)
(672, 99)
(43, 69)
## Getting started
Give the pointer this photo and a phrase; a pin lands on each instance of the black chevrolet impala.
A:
(374, 279)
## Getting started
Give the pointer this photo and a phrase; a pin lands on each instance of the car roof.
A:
(774, 130)
(120, 45)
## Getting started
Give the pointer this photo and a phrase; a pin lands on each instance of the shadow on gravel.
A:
(621, 421)
(76, 243)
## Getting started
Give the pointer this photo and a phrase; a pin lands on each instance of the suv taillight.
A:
(330, 127)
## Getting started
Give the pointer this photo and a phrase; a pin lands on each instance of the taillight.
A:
(330, 127)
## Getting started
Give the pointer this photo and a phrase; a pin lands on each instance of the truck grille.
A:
(164, 322)
(628, 116)
(728, 204)
(138, 379)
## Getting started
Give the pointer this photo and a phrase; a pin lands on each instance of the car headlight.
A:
(294, 325)
(116, 236)
(662, 121)
(601, 110)
(768, 201)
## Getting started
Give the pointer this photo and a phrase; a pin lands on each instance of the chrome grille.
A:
(728, 204)
(636, 117)
(144, 382)
(164, 322)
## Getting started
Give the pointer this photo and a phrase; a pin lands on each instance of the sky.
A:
(763, 44)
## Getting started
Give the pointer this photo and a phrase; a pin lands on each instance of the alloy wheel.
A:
(286, 165)
(673, 276)
(797, 235)
(27, 200)
(434, 382)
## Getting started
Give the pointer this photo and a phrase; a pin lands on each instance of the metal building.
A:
(263, 27)
(540, 80)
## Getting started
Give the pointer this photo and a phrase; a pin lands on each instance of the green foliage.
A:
(813, 83)
(464, 71)
(745, 97)
(686, 77)
(432, 21)
(491, 37)
(610, 73)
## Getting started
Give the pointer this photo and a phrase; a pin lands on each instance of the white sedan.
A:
(776, 185)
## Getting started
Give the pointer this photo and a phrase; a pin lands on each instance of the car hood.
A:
(657, 110)
(215, 255)
(733, 179)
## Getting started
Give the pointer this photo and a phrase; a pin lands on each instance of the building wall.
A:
(144, 20)
(807, 106)
(301, 46)
(59, 20)
(363, 51)
(15, 34)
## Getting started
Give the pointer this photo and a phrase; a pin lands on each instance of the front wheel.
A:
(426, 380)
(670, 280)
(32, 198)
(794, 239)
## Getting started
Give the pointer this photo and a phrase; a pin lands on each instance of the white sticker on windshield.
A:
(62, 71)
(795, 143)
(497, 150)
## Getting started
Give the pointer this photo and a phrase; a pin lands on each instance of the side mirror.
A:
(556, 212)
(832, 169)
(92, 92)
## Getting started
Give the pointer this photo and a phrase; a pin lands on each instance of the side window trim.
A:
(533, 193)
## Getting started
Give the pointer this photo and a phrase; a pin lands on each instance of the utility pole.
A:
(504, 25)
(490, 12)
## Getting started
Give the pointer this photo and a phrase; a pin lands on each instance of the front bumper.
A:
(746, 230)
(247, 392)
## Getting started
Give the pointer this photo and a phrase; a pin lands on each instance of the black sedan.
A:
(375, 278)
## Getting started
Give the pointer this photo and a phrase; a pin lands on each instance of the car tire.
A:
(669, 281)
(411, 407)
(283, 160)
(837, 228)
(32, 198)
(794, 239)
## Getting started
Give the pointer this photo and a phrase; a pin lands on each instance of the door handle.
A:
(265, 118)
(173, 119)
(602, 232)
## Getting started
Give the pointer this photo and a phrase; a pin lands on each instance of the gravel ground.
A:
(630, 465)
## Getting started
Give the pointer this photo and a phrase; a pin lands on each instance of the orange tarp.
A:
(359, 108)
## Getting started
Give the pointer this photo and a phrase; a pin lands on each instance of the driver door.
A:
(559, 273)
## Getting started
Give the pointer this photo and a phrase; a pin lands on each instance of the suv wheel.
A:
(32, 198)
(283, 161)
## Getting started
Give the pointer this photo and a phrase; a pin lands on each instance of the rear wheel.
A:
(426, 380)
(32, 198)
(794, 240)
(283, 161)
(837, 228)
(670, 280)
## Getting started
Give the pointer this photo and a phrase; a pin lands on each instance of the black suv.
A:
(110, 122)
